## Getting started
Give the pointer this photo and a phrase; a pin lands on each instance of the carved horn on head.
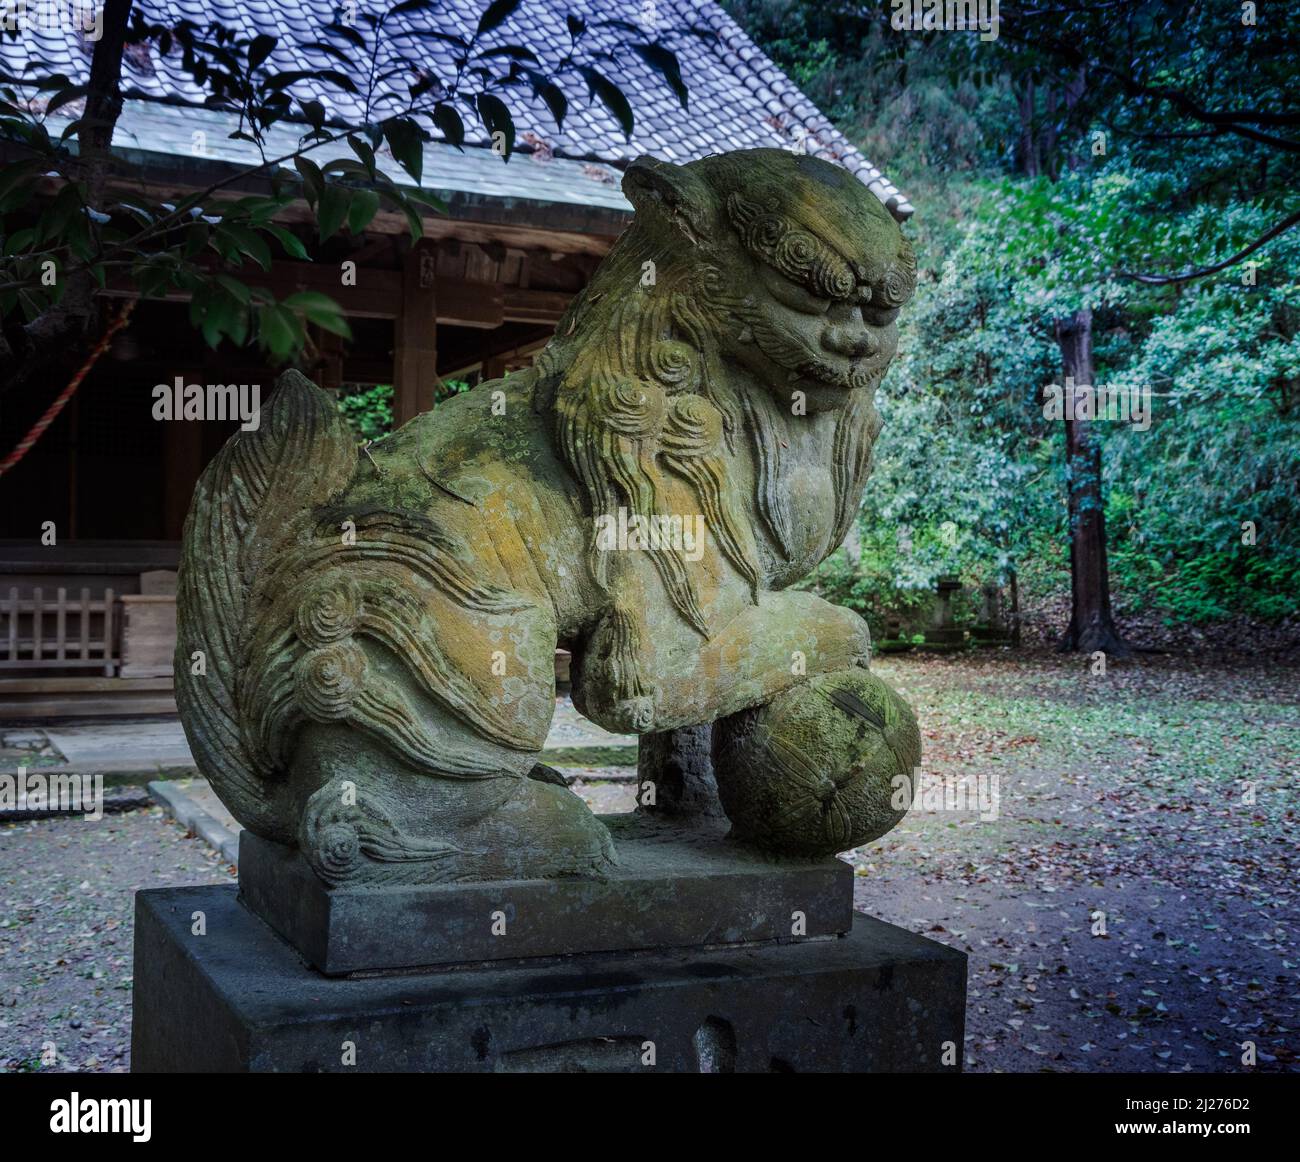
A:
(673, 193)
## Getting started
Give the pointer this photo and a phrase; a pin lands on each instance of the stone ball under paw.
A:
(821, 768)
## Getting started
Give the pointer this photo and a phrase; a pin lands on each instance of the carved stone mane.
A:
(640, 387)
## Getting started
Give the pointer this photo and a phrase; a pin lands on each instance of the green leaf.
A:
(312, 180)
(248, 242)
(330, 76)
(283, 80)
(413, 222)
(404, 139)
(495, 15)
(70, 130)
(237, 327)
(334, 77)
(11, 176)
(30, 305)
(61, 98)
(332, 50)
(365, 205)
(664, 61)
(145, 217)
(51, 81)
(333, 209)
(219, 313)
(276, 330)
(348, 166)
(516, 52)
(433, 34)
(279, 330)
(611, 96)
(150, 279)
(291, 242)
(78, 235)
(259, 49)
(255, 210)
(19, 240)
(196, 238)
(363, 151)
(319, 309)
(555, 100)
(449, 124)
(496, 119)
(425, 198)
(236, 289)
(351, 35)
(54, 221)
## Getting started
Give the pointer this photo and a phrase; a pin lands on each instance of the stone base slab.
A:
(673, 888)
(237, 999)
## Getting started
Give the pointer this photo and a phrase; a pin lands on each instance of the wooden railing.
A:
(41, 634)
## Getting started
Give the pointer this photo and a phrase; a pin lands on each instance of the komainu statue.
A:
(378, 631)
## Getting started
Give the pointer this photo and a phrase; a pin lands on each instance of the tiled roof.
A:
(738, 98)
(150, 133)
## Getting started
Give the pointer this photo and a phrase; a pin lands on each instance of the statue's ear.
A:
(673, 193)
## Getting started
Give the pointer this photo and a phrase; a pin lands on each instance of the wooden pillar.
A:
(494, 367)
(182, 465)
(330, 347)
(415, 354)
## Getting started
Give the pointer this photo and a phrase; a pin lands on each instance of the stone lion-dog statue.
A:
(378, 631)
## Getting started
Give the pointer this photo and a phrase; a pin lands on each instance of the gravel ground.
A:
(1133, 905)
(66, 921)
(604, 798)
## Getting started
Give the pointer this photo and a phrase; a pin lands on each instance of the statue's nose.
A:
(850, 341)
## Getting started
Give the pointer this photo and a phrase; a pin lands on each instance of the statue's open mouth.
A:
(859, 373)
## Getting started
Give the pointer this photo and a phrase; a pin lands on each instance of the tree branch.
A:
(1227, 122)
(1202, 271)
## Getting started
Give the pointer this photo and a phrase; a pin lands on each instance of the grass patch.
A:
(589, 756)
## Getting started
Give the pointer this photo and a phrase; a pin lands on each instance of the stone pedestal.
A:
(695, 956)
(238, 999)
(673, 887)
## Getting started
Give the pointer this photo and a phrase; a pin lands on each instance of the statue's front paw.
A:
(635, 715)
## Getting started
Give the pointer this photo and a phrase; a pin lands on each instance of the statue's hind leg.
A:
(463, 807)
(367, 817)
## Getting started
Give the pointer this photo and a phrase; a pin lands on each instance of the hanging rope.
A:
(52, 412)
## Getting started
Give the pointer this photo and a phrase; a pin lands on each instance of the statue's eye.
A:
(791, 294)
(878, 316)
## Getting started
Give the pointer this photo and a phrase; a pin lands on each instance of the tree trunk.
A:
(1092, 626)
(1028, 140)
(1049, 161)
(1015, 608)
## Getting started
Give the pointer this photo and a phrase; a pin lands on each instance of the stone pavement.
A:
(119, 743)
